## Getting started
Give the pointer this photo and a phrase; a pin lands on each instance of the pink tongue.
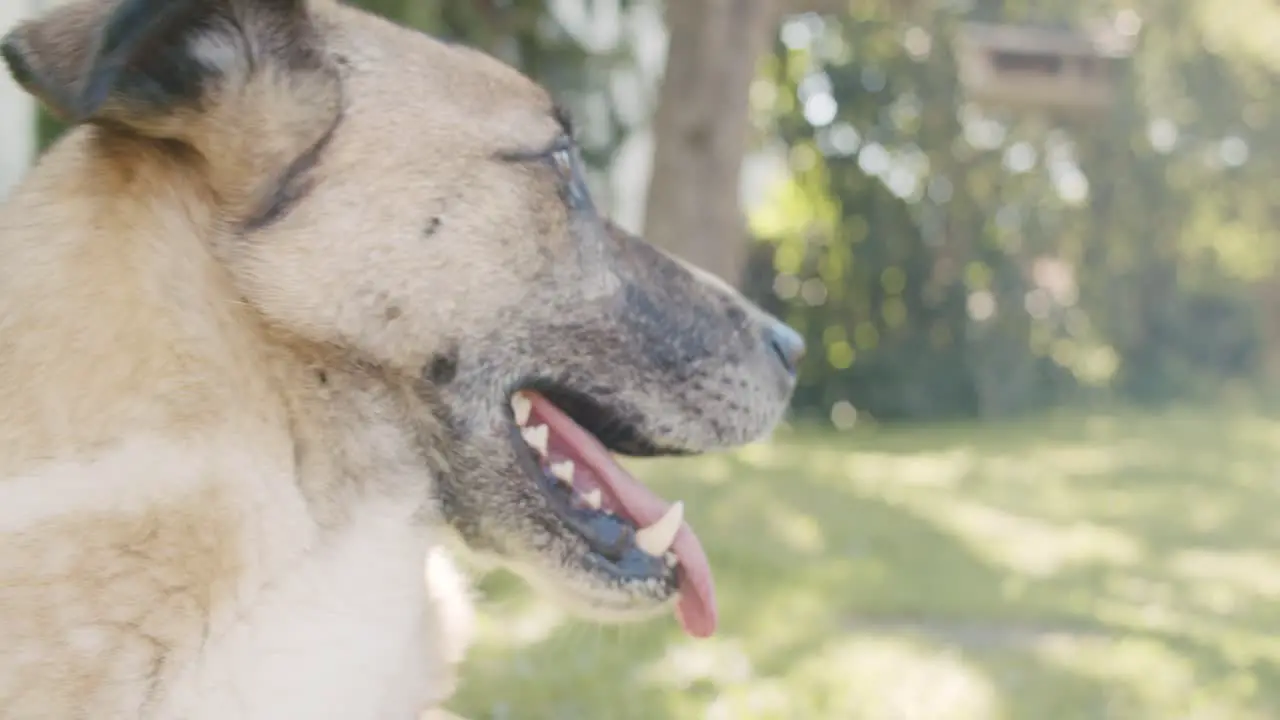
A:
(696, 608)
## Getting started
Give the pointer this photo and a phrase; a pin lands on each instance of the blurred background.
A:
(1031, 469)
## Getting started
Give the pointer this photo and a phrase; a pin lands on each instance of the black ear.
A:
(130, 59)
(151, 38)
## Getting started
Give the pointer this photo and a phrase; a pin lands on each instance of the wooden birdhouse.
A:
(1040, 68)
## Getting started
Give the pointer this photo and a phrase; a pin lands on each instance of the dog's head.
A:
(423, 208)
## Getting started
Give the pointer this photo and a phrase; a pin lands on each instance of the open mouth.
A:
(636, 538)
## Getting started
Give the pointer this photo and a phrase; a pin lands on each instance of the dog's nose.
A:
(787, 345)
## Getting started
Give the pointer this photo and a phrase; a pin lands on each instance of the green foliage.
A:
(946, 259)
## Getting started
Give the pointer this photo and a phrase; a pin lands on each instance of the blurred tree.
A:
(949, 259)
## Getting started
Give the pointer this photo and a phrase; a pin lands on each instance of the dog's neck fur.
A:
(361, 433)
(196, 350)
(111, 268)
(318, 457)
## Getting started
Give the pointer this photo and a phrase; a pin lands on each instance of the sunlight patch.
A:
(938, 470)
(765, 698)
(1033, 546)
(761, 454)
(1092, 459)
(885, 678)
(1222, 576)
(719, 662)
(852, 678)
(1153, 680)
(797, 530)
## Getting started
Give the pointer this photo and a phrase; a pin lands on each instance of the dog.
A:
(303, 303)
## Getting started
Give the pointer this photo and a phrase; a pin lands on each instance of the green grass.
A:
(1101, 568)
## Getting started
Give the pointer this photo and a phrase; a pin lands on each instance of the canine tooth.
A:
(563, 471)
(536, 437)
(671, 559)
(522, 407)
(658, 537)
(593, 498)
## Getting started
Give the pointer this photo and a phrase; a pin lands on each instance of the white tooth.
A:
(536, 437)
(671, 559)
(563, 471)
(522, 407)
(658, 537)
(593, 498)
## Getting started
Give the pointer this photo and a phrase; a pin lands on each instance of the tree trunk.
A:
(700, 129)
(701, 124)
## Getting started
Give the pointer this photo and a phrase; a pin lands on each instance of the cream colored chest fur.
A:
(157, 582)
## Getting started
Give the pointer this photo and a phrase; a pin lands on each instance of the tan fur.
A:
(257, 340)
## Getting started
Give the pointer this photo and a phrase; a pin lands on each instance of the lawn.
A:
(1101, 568)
